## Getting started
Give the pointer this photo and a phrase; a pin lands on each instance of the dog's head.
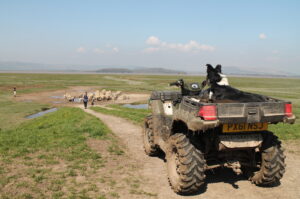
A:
(215, 76)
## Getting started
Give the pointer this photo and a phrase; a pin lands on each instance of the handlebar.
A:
(174, 83)
(177, 83)
(180, 83)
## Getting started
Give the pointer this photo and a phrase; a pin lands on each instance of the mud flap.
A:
(240, 141)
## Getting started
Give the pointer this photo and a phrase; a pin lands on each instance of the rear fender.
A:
(179, 126)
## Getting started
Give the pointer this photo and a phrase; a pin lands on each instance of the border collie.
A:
(221, 91)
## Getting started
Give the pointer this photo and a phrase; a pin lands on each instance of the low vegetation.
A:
(286, 131)
(53, 132)
(12, 113)
(66, 154)
(71, 154)
(135, 115)
(42, 157)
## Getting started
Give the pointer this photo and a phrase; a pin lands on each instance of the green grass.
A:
(12, 113)
(56, 132)
(286, 131)
(30, 152)
(135, 115)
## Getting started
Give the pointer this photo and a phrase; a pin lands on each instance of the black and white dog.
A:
(221, 91)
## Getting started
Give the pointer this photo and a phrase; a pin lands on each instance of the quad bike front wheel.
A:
(148, 137)
(185, 164)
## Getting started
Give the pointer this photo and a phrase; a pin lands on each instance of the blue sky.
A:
(173, 34)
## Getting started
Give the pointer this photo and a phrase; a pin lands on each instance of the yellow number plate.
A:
(232, 128)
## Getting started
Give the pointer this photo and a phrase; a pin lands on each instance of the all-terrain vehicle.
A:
(196, 135)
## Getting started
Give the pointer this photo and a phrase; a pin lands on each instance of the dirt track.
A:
(222, 184)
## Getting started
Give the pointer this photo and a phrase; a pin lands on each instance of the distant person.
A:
(15, 92)
(85, 100)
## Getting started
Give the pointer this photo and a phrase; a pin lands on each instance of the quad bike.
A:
(196, 135)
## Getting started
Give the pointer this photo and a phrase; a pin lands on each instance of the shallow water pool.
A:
(39, 114)
(136, 106)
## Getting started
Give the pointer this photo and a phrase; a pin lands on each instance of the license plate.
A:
(232, 128)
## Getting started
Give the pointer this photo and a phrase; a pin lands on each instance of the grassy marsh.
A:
(49, 157)
(13, 112)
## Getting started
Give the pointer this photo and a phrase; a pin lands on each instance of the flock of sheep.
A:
(102, 95)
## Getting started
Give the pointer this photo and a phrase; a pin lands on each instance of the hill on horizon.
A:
(39, 67)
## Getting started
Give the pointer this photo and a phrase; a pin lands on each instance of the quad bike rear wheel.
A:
(272, 162)
(185, 164)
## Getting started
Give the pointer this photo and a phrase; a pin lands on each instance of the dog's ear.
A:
(209, 67)
(219, 68)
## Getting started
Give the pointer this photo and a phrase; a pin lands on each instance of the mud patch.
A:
(101, 146)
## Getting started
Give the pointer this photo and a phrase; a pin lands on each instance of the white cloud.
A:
(107, 49)
(81, 50)
(153, 41)
(275, 52)
(191, 46)
(115, 49)
(262, 36)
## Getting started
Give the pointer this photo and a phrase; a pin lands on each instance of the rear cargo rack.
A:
(252, 112)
